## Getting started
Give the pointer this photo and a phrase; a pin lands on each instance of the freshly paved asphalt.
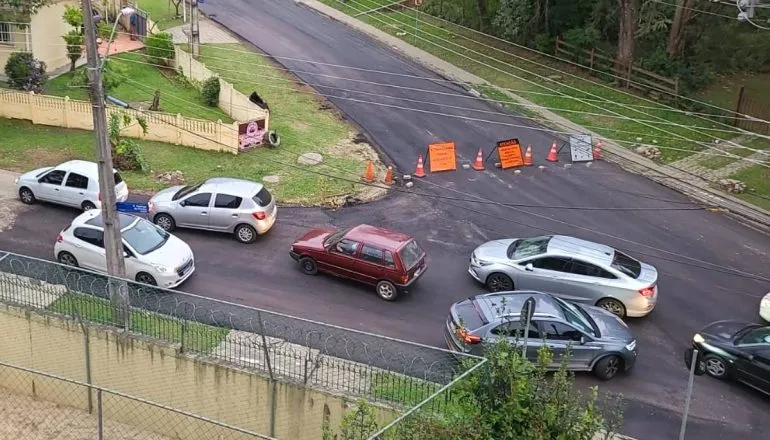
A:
(263, 275)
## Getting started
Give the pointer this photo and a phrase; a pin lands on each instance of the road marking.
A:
(4, 256)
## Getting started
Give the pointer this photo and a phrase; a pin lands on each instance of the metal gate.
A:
(140, 23)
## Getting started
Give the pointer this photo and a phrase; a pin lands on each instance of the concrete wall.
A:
(47, 29)
(18, 43)
(146, 369)
(161, 127)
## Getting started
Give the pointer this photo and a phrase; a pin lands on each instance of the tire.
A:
(613, 306)
(608, 367)
(87, 206)
(145, 278)
(27, 196)
(165, 222)
(387, 290)
(716, 366)
(245, 234)
(67, 259)
(308, 266)
(273, 139)
(499, 282)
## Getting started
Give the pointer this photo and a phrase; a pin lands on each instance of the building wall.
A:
(17, 44)
(47, 28)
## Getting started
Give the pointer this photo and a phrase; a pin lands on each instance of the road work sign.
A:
(509, 152)
(442, 157)
(580, 147)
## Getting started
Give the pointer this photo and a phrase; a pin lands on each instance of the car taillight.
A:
(466, 337)
(59, 238)
(150, 206)
(647, 291)
(259, 215)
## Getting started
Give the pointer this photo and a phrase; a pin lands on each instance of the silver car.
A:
(240, 207)
(571, 268)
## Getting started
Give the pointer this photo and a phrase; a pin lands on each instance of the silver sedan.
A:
(573, 269)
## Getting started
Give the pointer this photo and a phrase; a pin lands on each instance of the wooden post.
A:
(556, 49)
(628, 74)
(738, 105)
(676, 91)
(593, 54)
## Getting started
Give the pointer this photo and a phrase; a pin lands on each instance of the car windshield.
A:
(335, 237)
(627, 265)
(145, 237)
(757, 336)
(189, 189)
(45, 170)
(528, 247)
(411, 254)
(575, 316)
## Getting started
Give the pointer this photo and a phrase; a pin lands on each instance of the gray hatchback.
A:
(240, 207)
(596, 339)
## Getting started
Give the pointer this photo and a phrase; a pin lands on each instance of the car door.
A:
(753, 358)
(224, 214)
(563, 339)
(49, 186)
(586, 282)
(372, 265)
(193, 211)
(340, 259)
(74, 190)
(544, 274)
(512, 330)
(89, 249)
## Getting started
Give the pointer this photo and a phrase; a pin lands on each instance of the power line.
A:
(731, 17)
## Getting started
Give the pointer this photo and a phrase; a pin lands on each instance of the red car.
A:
(387, 259)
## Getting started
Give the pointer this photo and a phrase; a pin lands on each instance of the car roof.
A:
(94, 218)
(232, 186)
(577, 247)
(384, 238)
(84, 167)
(509, 304)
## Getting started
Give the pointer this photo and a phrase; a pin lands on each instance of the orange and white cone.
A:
(420, 170)
(389, 176)
(478, 165)
(598, 151)
(369, 174)
(553, 155)
(528, 156)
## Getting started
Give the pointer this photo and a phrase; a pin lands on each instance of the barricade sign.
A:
(442, 157)
(132, 208)
(509, 152)
(580, 147)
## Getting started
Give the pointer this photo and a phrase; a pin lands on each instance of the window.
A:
(389, 259)
(757, 336)
(187, 190)
(575, 316)
(263, 197)
(227, 201)
(557, 331)
(336, 236)
(372, 255)
(90, 236)
(411, 254)
(199, 200)
(145, 237)
(513, 329)
(627, 265)
(55, 177)
(75, 180)
(558, 264)
(347, 247)
(6, 36)
(528, 247)
(589, 270)
(118, 178)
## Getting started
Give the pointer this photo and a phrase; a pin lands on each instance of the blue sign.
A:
(132, 208)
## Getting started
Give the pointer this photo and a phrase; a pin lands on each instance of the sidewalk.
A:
(693, 186)
(9, 202)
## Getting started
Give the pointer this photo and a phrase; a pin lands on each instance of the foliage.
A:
(176, 4)
(25, 7)
(24, 72)
(210, 91)
(359, 424)
(160, 48)
(73, 16)
(126, 152)
(74, 40)
(112, 76)
(514, 20)
(104, 30)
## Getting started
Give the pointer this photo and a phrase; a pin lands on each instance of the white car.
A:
(152, 255)
(764, 308)
(74, 183)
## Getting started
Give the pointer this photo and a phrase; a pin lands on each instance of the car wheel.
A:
(245, 234)
(145, 278)
(67, 259)
(387, 290)
(499, 282)
(608, 367)
(613, 306)
(308, 266)
(165, 222)
(87, 206)
(715, 366)
(26, 196)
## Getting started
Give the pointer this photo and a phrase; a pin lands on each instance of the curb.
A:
(745, 213)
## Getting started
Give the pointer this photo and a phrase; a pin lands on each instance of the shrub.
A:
(112, 76)
(127, 153)
(210, 91)
(24, 72)
(74, 41)
(160, 48)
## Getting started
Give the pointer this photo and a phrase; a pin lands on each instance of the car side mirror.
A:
(529, 267)
(582, 340)
(126, 254)
(183, 203)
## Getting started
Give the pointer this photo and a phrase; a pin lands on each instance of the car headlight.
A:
(483, 262)
(631, 345)
(765, 303)
(162, 269)
(15, 181)
(698, 338)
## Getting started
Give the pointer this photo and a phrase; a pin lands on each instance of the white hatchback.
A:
(74, 183)
(152, 255)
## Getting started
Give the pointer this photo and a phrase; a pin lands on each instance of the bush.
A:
(210, 91)
(160, 48)
(112, 76)
(126, 153)
(24, 72)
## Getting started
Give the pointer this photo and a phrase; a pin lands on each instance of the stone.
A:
(271, 179)
(648, 151)
(171, 177)
(517, 172)
(466, 166)
(409, 184)
(310, 159)
(732, 186)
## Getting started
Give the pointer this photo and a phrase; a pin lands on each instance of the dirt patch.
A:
(297, 125)
(9, 203)
(355, 147)
(42, 156)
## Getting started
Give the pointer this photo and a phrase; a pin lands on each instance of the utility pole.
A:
(113, 245)
(195, 32)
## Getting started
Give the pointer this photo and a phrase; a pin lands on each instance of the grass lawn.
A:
(402, 390)
(176, 94)
(757, 178)
(163, 13)
(192, 335)
(715, 162)
(723, 90)
(514, 68)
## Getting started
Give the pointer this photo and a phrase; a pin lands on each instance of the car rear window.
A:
(528, 247)
(263, 197)
(410, 254)
(469, 315)
(118, 178)
(627, 265)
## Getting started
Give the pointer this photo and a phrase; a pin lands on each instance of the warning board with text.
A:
(580, 147)
(441, 157)
(509, 152)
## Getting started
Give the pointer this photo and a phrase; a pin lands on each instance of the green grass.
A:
(192, 335)
(757, 179)
(402, 390)
(723, 90)
(176, 94)
(163, 13)
(509, 60)
(715, 162)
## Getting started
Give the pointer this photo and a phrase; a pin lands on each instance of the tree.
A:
(682, 16)
(74, 40)
(127, 152)
(176, 4)
(629, 20)
(73, 16)
(26, 73)
(25, 7)
(112, 76)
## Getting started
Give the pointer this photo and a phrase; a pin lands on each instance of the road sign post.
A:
(688, 398)
(527, 310)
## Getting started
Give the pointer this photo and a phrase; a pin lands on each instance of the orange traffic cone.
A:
(598, 151)
(553, 155)
(420, 171)
(389, 176)
(528, 156)
(369, 174)
(479, 164)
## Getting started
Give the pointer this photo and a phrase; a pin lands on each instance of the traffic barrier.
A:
(389, 176)
(598, 151)
(420, 170)
(528, 156)
(479, 164)
(369, 174)
(553, 155)
(442, 157)
(509, 152)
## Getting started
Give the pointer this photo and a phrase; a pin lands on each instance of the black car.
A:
(733, 350)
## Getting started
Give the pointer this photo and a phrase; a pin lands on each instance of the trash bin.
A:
(256, 99)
